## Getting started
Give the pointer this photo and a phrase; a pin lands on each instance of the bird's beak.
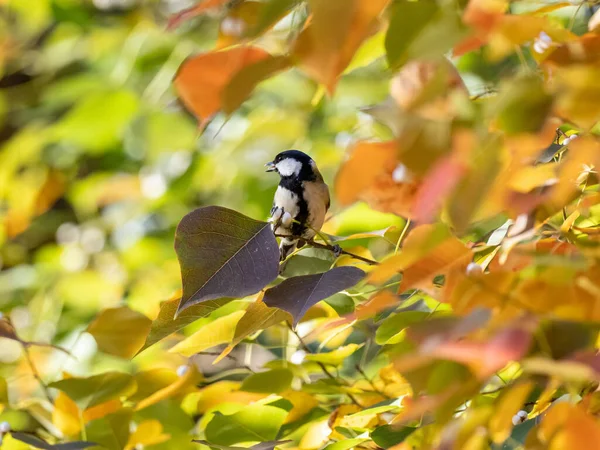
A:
(270, 166)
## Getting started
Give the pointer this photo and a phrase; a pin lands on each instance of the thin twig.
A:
(362, 372)
(322, 366)
(35, 372)
(331, 248)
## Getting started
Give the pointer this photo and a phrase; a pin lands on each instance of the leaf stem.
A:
(35, 372)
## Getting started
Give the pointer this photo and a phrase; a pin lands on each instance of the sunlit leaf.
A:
(395, 324)
(91, 391)
(334, 33)
(223, 253)
(201, 79)
(166, 323)
(120, 331)
(148, 432)
(345, 444)
(219, 331)
(335, 357)
(388, 435)
(296, 295)
(252, 423)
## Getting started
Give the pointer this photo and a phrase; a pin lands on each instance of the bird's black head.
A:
(293, 164)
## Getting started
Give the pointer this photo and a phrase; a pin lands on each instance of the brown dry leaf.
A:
(202, 79)
(202, 7)
(426, 88)
(583, 50)
(65, 415)
(366, 162)
(508, 404)
(334, 33)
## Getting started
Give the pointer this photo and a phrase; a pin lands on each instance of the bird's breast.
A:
(288, 200)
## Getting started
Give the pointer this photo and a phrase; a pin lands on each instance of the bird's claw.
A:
(337, 251)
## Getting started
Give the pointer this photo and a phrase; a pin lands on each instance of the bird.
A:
(301, 200)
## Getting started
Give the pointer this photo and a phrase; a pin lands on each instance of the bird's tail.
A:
(286, 247)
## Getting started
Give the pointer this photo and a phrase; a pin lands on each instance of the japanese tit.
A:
(301, 200)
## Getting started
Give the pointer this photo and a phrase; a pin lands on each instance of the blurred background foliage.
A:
(99, 162)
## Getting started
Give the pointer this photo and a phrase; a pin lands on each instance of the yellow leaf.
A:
(101, 410)
(65, 415)
(148, 432)
(528, 178)
(578, 430)
(336, 357)
(189, 379)
(219, 331)
(303, 403)
(120, 331)
(507, 405)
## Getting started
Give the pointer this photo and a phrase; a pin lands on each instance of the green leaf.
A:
(82, 125)
(346, 444)
(91, 391)
(36, 442)
(223, 253)
(120, 331)
(308, 261)
(389, 435)
(335, 357)
(296, 295)
(270, 445)
(393, 325)
(271, 12)
(523, 105)
(166, 323)
(111, 431)
(219, 331)
(272, 381)
(407, 22)
(253, 423)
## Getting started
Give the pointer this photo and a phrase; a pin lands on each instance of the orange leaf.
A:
(202, 79)
(367, 161)
(201, 8)
(337, 28)
(578, 430)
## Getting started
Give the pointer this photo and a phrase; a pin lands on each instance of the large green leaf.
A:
(112, 431)
(270, 445)
(296, 295)
(253, 423)
(387, 436)
(272, 381)
(91, 391)
(223, 253)
(393, 325)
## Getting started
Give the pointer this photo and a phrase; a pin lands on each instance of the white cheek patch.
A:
(289, 167)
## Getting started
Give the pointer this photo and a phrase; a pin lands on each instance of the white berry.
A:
(522, 414)
(519, 417)
(566, 141)
(182, 370)
(276, 215)
(474, 269)
(401, 174)
(4, 427)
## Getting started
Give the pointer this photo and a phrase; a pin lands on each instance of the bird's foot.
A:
(337, 251)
